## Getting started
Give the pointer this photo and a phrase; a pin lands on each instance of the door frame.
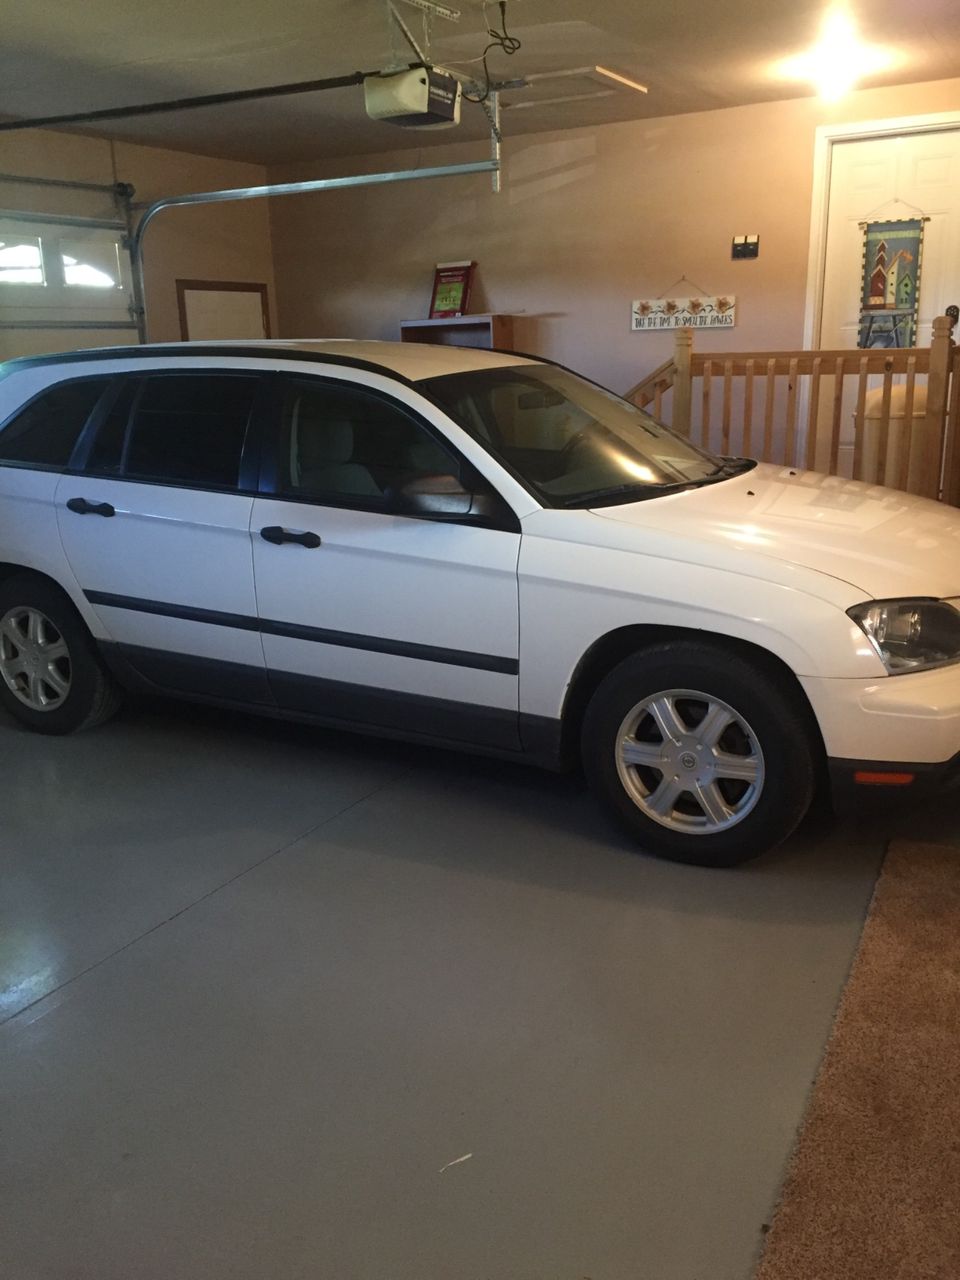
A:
(826, 136)
(220, 286)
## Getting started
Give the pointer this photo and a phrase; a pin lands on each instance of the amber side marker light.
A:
(868, 779)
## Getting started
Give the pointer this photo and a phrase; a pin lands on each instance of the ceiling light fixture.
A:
(838, 60)
(624, 80)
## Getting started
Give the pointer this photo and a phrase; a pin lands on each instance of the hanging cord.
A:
(885, 204)
(684, 279)
(501, 40)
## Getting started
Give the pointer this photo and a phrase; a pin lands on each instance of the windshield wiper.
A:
(732, 467)
(638, 488)
(729, 467)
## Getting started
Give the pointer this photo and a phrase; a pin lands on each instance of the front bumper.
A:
(896, 738)
(856, 783)
(911, 719)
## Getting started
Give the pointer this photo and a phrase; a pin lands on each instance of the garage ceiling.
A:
(693, 56)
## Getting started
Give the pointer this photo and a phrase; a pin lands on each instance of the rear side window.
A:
(45, 432)
(177, 429)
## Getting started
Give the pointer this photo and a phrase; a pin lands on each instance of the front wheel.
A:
(698, 754)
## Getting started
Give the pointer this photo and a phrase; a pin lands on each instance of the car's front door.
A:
(368, 616)
(155, 524)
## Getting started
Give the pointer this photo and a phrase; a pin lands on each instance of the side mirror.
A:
(442, 495)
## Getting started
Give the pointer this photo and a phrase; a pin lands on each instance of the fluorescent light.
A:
(838, 60)
(624, 80)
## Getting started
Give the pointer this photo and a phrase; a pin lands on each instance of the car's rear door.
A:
(395, 621)
(155, 523)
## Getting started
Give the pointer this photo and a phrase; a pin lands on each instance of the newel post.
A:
(951, 448)
(682, 357)
(935, 426)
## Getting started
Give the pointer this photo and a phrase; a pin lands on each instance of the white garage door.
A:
(64, 283)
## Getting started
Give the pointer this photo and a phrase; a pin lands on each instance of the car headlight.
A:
(910, 635)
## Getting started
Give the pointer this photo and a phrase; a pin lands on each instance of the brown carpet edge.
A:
(872, 1189)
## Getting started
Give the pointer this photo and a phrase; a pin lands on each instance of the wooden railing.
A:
(887, 416)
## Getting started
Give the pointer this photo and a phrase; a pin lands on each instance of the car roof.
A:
(411, 361)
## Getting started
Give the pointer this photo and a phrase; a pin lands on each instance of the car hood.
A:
(883, 542)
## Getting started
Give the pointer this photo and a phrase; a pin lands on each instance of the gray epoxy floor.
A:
(262, 984)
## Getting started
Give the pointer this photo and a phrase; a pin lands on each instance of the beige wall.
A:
(222, 242)
(588, 220)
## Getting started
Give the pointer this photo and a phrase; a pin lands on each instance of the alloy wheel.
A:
(34, 659)
(690, 761)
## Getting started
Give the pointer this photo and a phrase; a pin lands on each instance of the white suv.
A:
(475, 549)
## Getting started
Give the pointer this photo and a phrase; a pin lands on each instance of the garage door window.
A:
(43, 435)
(184, 430)
(67, 277)
(21, 260)
(90, 265)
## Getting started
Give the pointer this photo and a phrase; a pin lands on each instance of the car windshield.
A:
(570, 441)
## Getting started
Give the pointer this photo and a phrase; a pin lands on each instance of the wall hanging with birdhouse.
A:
(890, 291)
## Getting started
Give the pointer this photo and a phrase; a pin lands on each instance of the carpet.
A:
(873, 1187)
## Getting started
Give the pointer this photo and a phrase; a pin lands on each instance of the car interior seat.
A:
(321, 455)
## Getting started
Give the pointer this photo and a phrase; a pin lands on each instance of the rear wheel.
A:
(51, 677)
(700, 755)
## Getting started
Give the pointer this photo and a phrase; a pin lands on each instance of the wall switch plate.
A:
(745, 247)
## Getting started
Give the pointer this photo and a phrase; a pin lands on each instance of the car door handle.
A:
(84, 508)
(275, 534)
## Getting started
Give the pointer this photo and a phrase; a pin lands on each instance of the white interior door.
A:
(894, 177)
(908, 175)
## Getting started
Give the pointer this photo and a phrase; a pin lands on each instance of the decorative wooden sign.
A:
(684, 313)
(451, 289)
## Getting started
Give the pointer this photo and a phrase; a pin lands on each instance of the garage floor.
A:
(266, 988)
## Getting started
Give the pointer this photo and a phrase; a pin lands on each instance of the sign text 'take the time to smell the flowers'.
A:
(684, 313)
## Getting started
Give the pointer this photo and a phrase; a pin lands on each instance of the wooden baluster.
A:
(658, 401)
(747, 409)
(906, 430)
(705, 419)
(813, 416)
(858, 420)
(768, 411)
(951, 480)
(839, 370)
(883, 432)
(727, 407)
(790, 443)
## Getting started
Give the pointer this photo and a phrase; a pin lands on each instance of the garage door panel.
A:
(65, 283)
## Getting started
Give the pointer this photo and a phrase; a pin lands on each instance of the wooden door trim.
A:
(220, 286)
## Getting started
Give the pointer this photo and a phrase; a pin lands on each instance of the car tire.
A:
(700, 755)
(51, 677)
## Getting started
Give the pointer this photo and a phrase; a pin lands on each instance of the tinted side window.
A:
(45, 432)
(346, 443)
(188, 429)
